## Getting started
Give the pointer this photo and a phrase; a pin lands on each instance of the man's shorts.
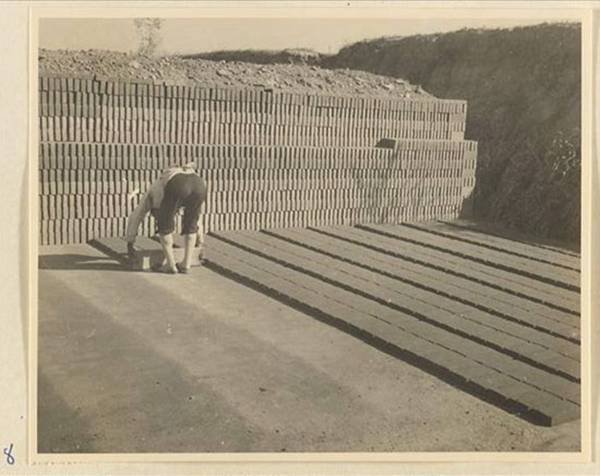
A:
(183, 190)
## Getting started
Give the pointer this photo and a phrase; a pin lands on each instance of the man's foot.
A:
(182, 269)
(163, 268)
(130, 250)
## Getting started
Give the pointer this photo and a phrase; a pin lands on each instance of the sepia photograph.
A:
(308, 234)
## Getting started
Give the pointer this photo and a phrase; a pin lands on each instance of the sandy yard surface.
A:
(144, 362)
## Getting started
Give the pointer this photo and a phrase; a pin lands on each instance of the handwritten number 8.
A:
(10, 459)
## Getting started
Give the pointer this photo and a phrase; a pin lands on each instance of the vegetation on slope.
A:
(523, 89)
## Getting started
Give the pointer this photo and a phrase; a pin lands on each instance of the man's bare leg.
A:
(167, 245)
(189, 242)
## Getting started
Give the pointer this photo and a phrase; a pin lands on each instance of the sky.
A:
(198, 35)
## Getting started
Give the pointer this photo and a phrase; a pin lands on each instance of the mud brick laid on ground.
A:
(148, 252)
(537, 291)
(538, 253)
(476, 367)
(501, 303)
(358, 249)
(520, 342)
(543, 271)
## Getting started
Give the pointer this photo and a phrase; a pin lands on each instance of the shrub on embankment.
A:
(523, 90)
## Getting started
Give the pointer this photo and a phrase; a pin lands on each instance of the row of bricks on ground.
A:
(489, 370)
(139, 132)
(538, 351)
(231, 166)
(108, 206)
(381, 242)
(142, 89)
(365, 179)
(144, 154)
(201, 111)
(534, 352)
(54, 232)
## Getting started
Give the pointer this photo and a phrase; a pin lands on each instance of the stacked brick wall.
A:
(270, 159)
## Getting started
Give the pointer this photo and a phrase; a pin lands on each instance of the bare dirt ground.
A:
(234, 74)
(144, 362)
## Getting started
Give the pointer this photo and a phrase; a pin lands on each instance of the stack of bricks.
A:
(270, 159)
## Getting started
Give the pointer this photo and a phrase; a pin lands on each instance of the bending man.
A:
(177, 187)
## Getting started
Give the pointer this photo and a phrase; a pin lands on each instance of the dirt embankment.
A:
(523, 88)
(281, 77)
